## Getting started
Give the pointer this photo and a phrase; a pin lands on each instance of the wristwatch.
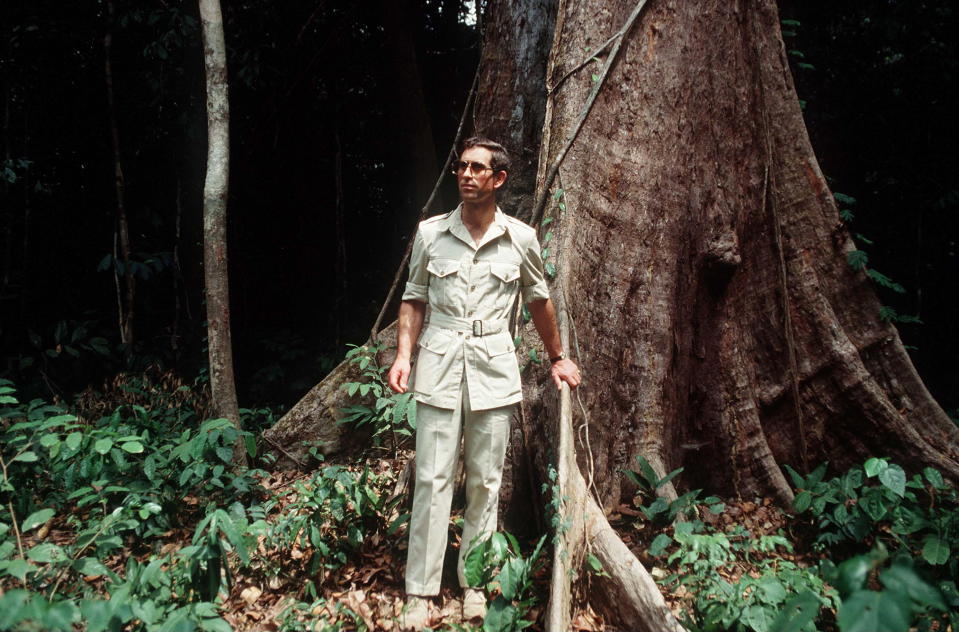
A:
(555, 359)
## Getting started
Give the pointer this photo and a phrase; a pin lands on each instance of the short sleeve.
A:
(417, 287)
(532, 280)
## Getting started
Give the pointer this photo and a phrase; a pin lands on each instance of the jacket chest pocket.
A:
(444, 281)
(505, 278)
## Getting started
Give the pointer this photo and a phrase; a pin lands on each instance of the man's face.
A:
(479, 185)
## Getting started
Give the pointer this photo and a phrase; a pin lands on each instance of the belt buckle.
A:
(477, 328)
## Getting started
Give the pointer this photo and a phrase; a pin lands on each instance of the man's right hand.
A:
(399, 375)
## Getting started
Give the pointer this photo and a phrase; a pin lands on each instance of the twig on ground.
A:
(280, 448)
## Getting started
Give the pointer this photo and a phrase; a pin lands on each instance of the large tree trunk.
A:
(512, 83)
(702, 280)
(215, 188)
(704, 263)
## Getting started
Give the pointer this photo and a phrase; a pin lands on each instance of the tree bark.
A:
(126, 291)
(215, 189)
(512, 83)
(702, 281)
(680, 249)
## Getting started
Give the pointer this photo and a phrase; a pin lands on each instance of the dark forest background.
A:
(342, 114)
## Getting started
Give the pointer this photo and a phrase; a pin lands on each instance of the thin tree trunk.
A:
(122, 225)
(215, 189)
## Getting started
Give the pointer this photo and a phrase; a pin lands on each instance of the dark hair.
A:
(499, 156)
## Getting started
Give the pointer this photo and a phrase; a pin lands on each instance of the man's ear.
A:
(499, 179)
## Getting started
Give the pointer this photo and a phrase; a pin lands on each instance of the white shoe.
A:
(474, 604)
(416, 613)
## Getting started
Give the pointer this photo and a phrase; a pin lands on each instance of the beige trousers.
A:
(485, 434)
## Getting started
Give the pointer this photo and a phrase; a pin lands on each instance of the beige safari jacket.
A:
(470, 289)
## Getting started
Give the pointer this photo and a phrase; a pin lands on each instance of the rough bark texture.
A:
(680, 248)
(215, 188)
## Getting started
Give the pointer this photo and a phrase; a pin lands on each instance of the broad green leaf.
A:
(512, 577)
(17, 568)
(797, 613)
(894, 478)
(934, 477)
(758, 617)
(874, 504)
(46, 552)
(96, 614)
(73, 440)
(870, 611)
(907, 521)
(133, 447)
(36, 519)
(49, 440)
(935, 550)
(215, 624)
(646, 469)
(798, 481)
(904, 580)
(772, 590)
(103, 446)
(802, 501)
(91, 566)
(500, 616)
(474, 566)
(26, 457)
(851, 574)
(658, 546)
(873, 466)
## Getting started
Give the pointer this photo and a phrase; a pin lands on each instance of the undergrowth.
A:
(876, 554)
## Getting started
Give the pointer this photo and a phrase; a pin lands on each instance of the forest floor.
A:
(131, 517)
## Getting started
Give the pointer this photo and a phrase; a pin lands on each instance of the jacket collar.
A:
(453, 222)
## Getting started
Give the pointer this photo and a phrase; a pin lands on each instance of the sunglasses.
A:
(460, 166)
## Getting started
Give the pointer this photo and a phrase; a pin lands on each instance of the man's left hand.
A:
(565, 370)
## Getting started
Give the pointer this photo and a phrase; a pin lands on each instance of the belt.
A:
(475, 327)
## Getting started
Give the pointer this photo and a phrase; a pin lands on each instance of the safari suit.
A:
(466, 376)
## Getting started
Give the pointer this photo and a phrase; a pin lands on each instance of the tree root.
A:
(628, 595)
(313, 420)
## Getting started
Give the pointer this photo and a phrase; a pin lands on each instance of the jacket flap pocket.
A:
(505, 272)
(443, 267)
(499, 343)
(436, 340)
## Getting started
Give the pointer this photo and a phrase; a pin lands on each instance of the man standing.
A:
(468, 266)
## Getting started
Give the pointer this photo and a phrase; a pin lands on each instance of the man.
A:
(468, 266)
